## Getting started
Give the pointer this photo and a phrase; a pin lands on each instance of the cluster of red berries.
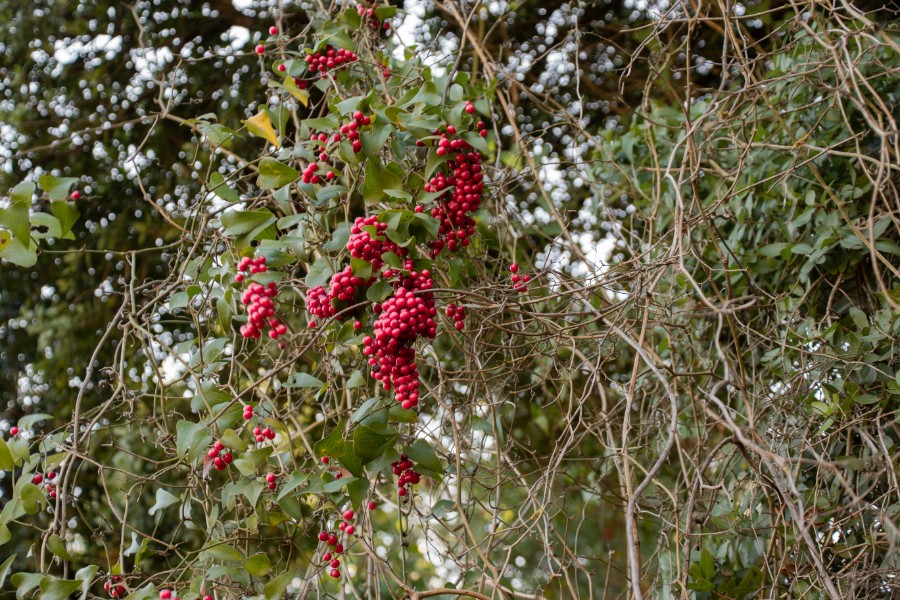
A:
(520, 282)
(331, 557)
(263, 434)
(258, 300)
(272, 480)
(248, 412)
(458, 314)
(402, 319)
(220, 456)
(453, 210)
(38, 479)
(332, 58)
(406, 476)
(114, 587)
(362, 245)
(373, 21)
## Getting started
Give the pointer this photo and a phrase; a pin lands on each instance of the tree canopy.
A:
(449, 299)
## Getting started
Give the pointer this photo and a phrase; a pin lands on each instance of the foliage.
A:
(705, 411)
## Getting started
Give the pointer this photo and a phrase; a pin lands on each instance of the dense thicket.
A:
(658, 361)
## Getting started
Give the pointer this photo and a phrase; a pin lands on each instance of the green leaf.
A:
(29, 421)
(274, 174)
(369, 444)
(219, 187)
(32, 498)
(163, 499)
(356, 380)
(318, 274)
(361, 267)
(57, 188)
(222, 552)
(233, 441)
(328, 445)
(367, 406)
(45, 226)
(378, 179)
(258, 565)
(357, 490)
(18, 254)
(304, 380)
(5, 536)
(86, 576)
(260, 125)
(16, 217)
(296, 479)
(191, 438)
(57, 589)
(424, 456)
(6, 459)
(57, 547)
(239, 222)
(25, 582)
(378, 292)
(67, 215)
(5, 568)
(442, 507)
(274, 589)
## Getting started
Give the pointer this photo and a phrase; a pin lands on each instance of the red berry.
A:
(282, 68)
(260, 49)
(76, 195)
(271, 477)
(312, 324)
(37, 479)
(470, 108)
(513, 268)
(51, 475)
(372, 505)
(325, 460)
(165, 595)
(357, 325)
(13, 431)
(336, 574)
(273, 30)
(349, 529)
(348, 515)
(323, 537)
(335, 563)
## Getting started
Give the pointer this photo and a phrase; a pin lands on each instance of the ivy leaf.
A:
(219, 187)
(86, 576)
(424, 456)
(249, 223)
(318, 273)
(327, 445)
(260, 125)
(222, 552)
(258, 565)
(369, 444)
(274, 174)
(356, 380)
(29, 421)
(378, 179)
(191, 438)
(378, 292)
(304, 380)
(57, 187)
(5, 568)
(274, 589)
(25, 582)
(57, 589)
(16, 218)
(57, 547)
(32, 498)
(361, 267)
(18, 254)
(296, 479)
(67, 215)
(6, 459)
